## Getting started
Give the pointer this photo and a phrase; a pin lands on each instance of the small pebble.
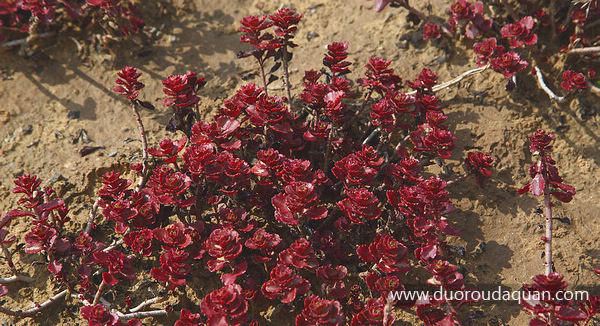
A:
(27, 129)
(479, 249)
(4, 116)
(113, 154)
(35, 143)
(55, 178)
(311, 35)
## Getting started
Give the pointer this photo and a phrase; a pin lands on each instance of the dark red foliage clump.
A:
(485, 50)
(187, 318)
(360, 204)
(140, 241)
(318, 311)
(284, 284)
(387, 252)
(519, 33)
(573, 80)
(99, 315)
(173, 270)
(431, 31)
(353, 170)
(168, 149)
(128, 83)
(225, 306)
(299, 199)
(286, 21)
(544, 173)
(300, 255)
(373, 314)
(182, 89)
(337, 52)
(118, 265)
(480, 165)
(508, 63)
(223, 245)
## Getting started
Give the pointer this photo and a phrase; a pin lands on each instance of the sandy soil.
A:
(38, 137)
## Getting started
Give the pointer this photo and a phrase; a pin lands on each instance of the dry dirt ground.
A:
(37, 134)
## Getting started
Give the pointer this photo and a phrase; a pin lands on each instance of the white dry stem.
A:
(545, 88)
(455, 80)
(588, 50)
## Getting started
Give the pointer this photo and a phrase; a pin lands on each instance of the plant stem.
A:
(286, 76)
(460, 178)
(593, 88)
(425, 18)
(37, 309)
(371, 136)
(588, 50)
(142, 314)
(98, 294)
(142, 131)
(33, 34)
(455, 80)
(545, 88)
(16, 276)
(146, 303)
(328, 151)
(548, 252)
(359, 111)
(8, 256)
(92, 217)
(25, 40)
(262, 76)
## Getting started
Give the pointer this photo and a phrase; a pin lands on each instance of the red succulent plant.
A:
(337, 52)
(284, 284)
(319, 311)
(353, 170)
(544, 173)
(300, 255)
(173, 236)
(223, 245)
(573, 80)
(225, 306)
(128, 83)
(299, 199)
(374, 313)
(360, 204)
(431, 31)
(480, 165)
(118, 265)
(485, 50)
(508, 63)
(168, 149)
(182, 90)
(389, 254)
(173, 271)
(140, 241)
(519, 32)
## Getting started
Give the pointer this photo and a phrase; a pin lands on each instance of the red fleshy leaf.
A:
(216, 265)
(109, 279)
(566, 313)
(562, 196)
(54, 267)
(365, 254)
(537, 185)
